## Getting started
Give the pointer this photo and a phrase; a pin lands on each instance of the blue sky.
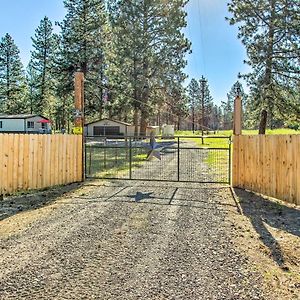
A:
(217, 54)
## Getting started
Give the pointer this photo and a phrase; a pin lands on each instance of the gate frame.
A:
(130, 161)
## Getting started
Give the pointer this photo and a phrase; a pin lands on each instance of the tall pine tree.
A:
(12, 79)
(149, 49)
(269, 29)
(81, 49)
(205, 103)
(194, 99)
(41, 79)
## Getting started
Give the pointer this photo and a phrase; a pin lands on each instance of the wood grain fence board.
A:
(268, 165)
(297, 174)
(29, 161)
(1, 164)
(20, 163)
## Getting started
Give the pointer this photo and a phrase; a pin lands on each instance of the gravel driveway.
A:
(127, 240)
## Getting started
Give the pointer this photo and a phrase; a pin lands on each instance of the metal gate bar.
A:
(126, 158)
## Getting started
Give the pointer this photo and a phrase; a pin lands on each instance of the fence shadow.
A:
(262, 212)
(34, 200)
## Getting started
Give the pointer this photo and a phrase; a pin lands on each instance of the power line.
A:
(201, 36)
(171, 114)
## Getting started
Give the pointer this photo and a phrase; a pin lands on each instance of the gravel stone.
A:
(130, 240)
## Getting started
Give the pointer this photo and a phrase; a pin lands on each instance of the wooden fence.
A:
(39, 161)
(268, 164)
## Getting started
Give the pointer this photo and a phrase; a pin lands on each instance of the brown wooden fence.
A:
(39, 161)
(268, 164)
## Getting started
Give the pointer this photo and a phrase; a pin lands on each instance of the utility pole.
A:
(79, 114)
(193, 116)
(203, 82)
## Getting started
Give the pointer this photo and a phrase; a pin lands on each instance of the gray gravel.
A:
(131, 240)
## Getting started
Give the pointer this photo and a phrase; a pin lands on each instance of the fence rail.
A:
(268, 164)
(31, 161)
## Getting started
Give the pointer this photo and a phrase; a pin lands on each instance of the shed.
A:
(109, 127)
(24, 123)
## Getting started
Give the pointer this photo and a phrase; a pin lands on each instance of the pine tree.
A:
(42, 82)
(81, 49)
(149, 49)
(12, 80)
(194, 99)
(31, 79)
(205, 103)
(269, 29)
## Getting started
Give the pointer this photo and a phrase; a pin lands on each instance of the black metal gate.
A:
(186, 159)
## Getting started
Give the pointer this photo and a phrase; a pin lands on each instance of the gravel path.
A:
(129, 240)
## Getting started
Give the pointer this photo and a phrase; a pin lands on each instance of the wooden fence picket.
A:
(29, 161)
(268, 164)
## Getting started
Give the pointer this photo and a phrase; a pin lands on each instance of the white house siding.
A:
(20, 125)
(37, 126)
(12, 125)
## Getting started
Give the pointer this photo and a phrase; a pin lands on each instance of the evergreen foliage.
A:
(12, 78)
(148, 57)
(269, 29)
(81, 49)
(41, 78)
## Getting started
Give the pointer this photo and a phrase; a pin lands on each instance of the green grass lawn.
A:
(112, 162)
(221, 158)
(223, 143)
(246, 132)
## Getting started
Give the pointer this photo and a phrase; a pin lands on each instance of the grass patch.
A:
(112, 162)
(223, 143)
(217, 160)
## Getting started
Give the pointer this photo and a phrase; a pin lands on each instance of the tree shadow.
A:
(262, 212)
(33, 200)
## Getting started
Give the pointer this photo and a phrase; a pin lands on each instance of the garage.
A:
(109, 127)
(106, 130)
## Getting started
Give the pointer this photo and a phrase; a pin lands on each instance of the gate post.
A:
(237, 122)
(79, 114)
(237, 131)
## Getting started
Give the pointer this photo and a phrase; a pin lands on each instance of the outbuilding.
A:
(109, 127)
(24, 123)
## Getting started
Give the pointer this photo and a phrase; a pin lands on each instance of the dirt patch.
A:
(268, 233)
(141, 240)
(19, 211)
(130, 240)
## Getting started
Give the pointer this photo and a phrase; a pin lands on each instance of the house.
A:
(24, 123)
(109, 127)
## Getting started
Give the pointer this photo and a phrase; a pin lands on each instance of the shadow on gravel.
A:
(13, 205)
(261, 211)
(203, 198)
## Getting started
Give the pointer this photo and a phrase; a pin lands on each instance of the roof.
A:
(21, 116)
(120, 122)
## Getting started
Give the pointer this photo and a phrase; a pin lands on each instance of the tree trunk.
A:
(269, 67)
(136, 122)
(263, 122)
(144, 123)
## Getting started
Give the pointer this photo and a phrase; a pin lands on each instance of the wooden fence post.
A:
(237, 130)
(237, 124)
(79, 113)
